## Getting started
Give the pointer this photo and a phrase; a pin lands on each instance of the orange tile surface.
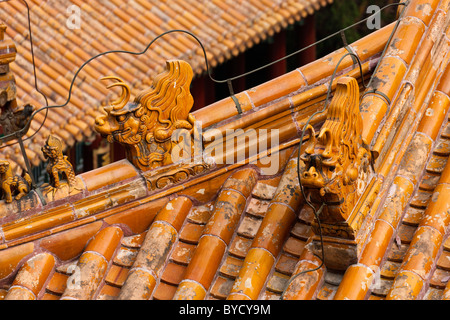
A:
(31, 277)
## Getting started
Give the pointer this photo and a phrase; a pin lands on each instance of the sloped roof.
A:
(233, 232)
(226, 28)
(118, 194)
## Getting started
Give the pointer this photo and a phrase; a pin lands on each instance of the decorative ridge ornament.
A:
(337, 165)
(13, 185)
(146, 124)
(63, 181)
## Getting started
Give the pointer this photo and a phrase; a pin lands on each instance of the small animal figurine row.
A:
(59, 169)
(57, 163)
(13, 185)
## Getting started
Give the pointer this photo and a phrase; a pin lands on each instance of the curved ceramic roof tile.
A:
(93, 264)
(31, 278)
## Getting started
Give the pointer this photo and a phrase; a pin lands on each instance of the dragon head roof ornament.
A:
(337, 165)
(146, 124)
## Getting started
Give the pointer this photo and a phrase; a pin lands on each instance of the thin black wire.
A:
(311, 45)
(32, 51)
(204, 55)
(17, 133)
(317, 212)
